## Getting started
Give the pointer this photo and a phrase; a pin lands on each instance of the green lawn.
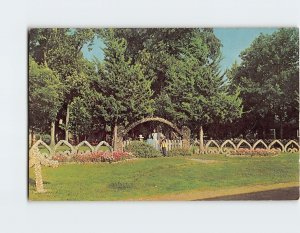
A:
(160, 176)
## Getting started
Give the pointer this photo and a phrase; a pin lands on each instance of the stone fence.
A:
(213, 146)
(71, 149)
(210, 146)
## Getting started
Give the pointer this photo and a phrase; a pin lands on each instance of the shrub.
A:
(179, 152)
(142, 150)
(46, 138)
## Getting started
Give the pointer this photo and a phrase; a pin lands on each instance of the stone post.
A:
(30, 139)
(35, 161)
(186, 135)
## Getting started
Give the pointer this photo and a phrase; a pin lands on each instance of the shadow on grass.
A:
(291, 193)
(120, 186)
(31, 182)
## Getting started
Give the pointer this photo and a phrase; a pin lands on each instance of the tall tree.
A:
(153, 48)
(182, 65)
(195, 94)
(45, 98)
(268, 78)
(60, 50)
(126, 93)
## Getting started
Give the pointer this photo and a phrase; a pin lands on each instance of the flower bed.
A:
(255, 152)
(60, 158)
(93, 157)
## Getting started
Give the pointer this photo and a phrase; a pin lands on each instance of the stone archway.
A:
(185, 132)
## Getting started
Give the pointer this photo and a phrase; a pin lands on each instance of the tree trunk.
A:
(52, 143)
(67, 124)
(264, 133)
(31, 138)
(201, 142)
(115, 137)
(281, 130)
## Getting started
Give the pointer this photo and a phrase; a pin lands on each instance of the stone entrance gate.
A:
(184, 132)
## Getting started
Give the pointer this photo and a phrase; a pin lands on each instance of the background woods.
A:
(169, 73)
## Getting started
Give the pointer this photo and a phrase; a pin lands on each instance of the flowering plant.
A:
(60, 158)
(97, 156)
(252, 152)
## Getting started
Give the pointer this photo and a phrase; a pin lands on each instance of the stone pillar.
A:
(38, 178)
(34, 161)
(186, 135)
(37, 160)
(30, 139)
(118, 138)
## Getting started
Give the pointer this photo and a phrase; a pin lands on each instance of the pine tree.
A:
(195, 93)
(126, 93)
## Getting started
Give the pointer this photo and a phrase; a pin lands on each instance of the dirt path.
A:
(281, 191)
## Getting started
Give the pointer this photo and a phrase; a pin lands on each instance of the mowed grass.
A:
(141, 178)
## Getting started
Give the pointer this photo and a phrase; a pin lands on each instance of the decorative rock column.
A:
(186, 135)
(36, 160)
(118, 140)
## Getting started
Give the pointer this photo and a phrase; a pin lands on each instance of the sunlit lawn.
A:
(159, 176)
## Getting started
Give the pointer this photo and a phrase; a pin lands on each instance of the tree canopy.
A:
(268, 79)
(125, 91)
(45, 96)
(166, 72)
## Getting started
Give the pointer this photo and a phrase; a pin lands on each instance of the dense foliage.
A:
(268, 80)
(183, 65)
(125, 92)
(179, 152)
(45, 100)
(170, 73)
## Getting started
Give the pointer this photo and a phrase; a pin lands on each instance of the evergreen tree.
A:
(195, 94)
(126, 93)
